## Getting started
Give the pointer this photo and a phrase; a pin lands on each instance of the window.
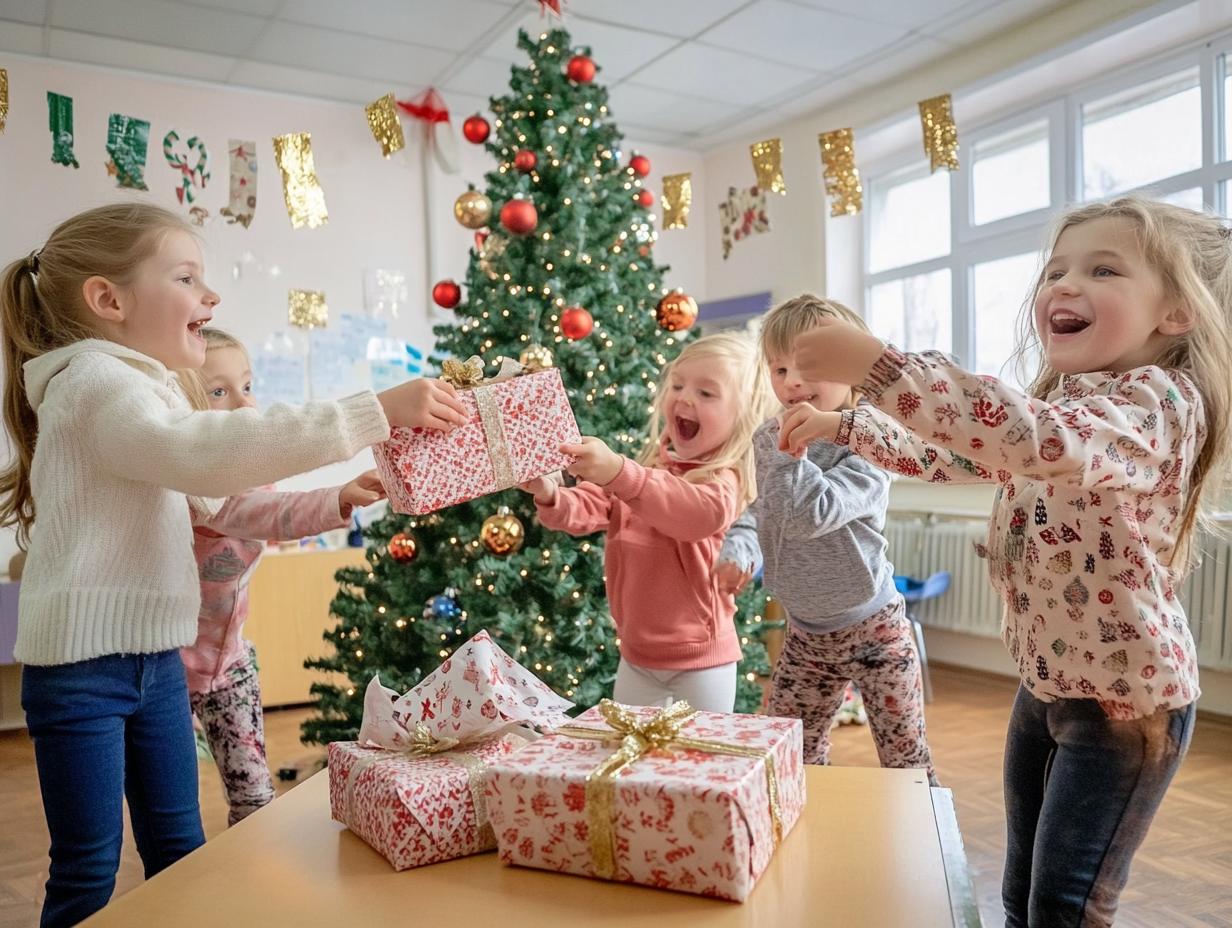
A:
(913, 312)
(911, 218)
(1141, 135)
(950, 259)
(1010, 173)
(1000, 290)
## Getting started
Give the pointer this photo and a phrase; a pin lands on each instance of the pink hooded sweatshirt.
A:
(227, 547)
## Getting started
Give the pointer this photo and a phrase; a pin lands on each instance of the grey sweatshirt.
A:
(818, 524)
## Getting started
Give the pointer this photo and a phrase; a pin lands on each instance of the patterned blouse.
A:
(1091, 487)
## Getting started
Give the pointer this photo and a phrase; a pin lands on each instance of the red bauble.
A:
(646, 198)
(402, 548)
(525, 160)
(575, 323)
(519, 217)
(640, 165)
(476, 129)
(446, 294)
(580, 69)
(480, 237)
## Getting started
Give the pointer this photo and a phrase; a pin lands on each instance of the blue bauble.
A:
(443, 608)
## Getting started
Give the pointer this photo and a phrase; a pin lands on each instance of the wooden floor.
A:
(1181, 877)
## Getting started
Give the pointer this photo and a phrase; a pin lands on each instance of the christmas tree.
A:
(564, 275)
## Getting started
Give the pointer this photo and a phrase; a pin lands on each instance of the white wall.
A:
(376, 207)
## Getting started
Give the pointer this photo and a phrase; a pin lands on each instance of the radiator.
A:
(923, 545)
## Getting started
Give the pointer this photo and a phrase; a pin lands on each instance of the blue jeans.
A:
(104, 729)
(1081, 790)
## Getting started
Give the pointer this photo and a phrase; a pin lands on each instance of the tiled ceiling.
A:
(683, 72)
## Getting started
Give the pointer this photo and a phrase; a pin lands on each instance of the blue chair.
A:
(915, 591)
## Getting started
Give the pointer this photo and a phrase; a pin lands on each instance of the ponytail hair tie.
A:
(32, 261)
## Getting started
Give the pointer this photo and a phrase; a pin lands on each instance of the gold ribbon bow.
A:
(463, 374)
(637, 738)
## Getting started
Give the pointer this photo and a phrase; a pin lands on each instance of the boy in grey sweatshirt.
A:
(819, 521)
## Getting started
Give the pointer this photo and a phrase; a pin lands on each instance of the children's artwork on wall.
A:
(243, 197)
(279, 370)
(60, 121)
(191, 162)
(385, 292)
(392, 361)
(128, 140)
(338, 355)
(741, 215)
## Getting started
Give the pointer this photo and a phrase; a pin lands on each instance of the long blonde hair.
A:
(1192, 253)
(42, 308)
(739, 358)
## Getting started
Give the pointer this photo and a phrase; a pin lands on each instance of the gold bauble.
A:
(676, 311)
(472, 209)
(502, 533)
(536, 358)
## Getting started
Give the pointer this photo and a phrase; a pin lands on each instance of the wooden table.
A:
(874, 849)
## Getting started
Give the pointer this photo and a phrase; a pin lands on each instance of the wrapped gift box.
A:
(412, 785)
(414, 810)
(699, 814)
(513, 434)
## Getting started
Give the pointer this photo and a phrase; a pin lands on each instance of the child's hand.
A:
(731, 577)
(593, 461)
(423, 403)
(364, 490)
(543, 489)
(836, 351)
(804, 424)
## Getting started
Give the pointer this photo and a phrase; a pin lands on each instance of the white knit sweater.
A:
(111, 567)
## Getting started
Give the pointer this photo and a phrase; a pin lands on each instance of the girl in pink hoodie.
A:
(665, 518)
(221, 665)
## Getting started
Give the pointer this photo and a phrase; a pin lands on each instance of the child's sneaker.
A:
(851, 712)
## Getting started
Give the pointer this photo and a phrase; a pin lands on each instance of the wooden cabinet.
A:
(288, 610)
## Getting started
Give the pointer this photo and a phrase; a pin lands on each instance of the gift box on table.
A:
(671, 798)
(412, 785)
(515, 427)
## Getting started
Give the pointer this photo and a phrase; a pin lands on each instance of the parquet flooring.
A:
(1182, 877)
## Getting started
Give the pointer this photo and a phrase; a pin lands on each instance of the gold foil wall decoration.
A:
(768, 163)
(303, 193)
(383, 121)
(677, 198)
(842, 177)
(940, 132)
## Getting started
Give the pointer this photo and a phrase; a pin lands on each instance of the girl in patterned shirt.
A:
(1103, 467)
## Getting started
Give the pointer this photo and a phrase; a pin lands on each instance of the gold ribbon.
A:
(468, 375)
(636, 739)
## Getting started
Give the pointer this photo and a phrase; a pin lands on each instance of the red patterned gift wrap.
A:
(513, 434)
(675, 799)
(414, 810)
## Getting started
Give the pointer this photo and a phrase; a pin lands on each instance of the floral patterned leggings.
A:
(879, 656)
(235, 728)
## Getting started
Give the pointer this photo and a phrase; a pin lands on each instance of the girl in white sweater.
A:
(107, 452)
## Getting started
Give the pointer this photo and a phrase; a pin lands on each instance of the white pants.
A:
(711, 690)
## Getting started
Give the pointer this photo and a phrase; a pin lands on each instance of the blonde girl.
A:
(106, 452)
(1104, 467)
(665, 515)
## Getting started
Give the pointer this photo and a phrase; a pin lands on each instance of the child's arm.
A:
(269, 515)
(218, 454)
(679, 509)
(803, 501)
(578, 510)
(1126, 438)
(740, 556)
